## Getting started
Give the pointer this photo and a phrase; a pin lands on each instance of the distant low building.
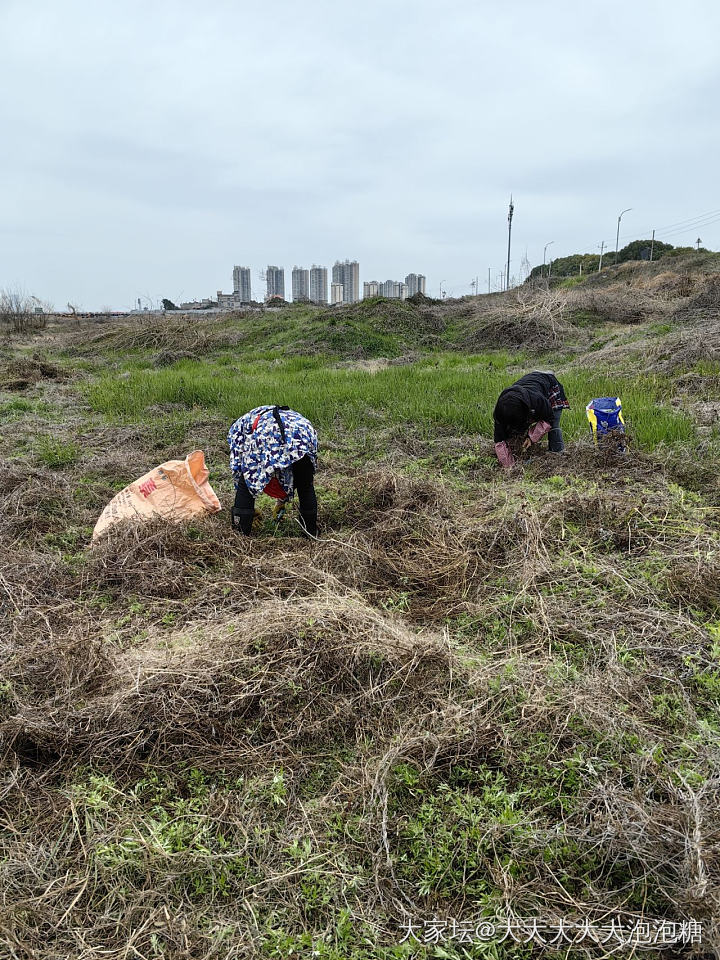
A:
(336, 293)
(231, 301)
(371, 288)
(197, 304)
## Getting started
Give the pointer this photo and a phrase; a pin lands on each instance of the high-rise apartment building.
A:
(318, 284)
(415, 283)
(371, 288)
(241, 284)
(393, 290)
(300, 284)
(337, 293)
(348, 274)
(275, 281)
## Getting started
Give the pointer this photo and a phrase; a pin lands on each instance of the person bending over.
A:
(273, 450)
(530, 408)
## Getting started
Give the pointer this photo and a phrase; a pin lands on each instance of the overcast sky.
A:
(149, 145)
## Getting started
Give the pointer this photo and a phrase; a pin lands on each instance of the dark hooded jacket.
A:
(526, 402)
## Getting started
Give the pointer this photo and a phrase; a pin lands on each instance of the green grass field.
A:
(443, 392)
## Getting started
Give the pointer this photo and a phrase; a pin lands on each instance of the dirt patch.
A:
(19, 374)
(166, 358)
(369, 366)
(706, 414)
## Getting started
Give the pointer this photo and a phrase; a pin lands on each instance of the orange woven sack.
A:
(177, 490)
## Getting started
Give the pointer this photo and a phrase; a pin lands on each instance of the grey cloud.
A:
(154, 145)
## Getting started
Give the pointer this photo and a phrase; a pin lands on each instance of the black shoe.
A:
(242, 520)
(308, 524)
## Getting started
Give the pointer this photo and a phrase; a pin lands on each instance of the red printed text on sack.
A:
(147, 488)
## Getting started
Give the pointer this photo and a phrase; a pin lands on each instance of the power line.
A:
(692, 229)
(690, 226)
(680, 223)
(683, 226)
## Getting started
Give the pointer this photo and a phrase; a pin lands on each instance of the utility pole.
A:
(602, 247)
(617, 235)
(652, 245)
(510, 216)
(698, 241)
(544, 252)
(489, 268)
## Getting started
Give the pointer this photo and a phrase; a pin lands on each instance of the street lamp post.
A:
(544, 252)
(617, 235)
(510, 216)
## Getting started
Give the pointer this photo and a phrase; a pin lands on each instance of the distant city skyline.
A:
(311, 285)
(395, 289)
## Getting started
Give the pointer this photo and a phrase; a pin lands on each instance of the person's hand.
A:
(526, 444)
(504, 455)
(538, 431)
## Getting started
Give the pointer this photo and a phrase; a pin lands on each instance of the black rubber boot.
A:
(242, 520)
(308, 522)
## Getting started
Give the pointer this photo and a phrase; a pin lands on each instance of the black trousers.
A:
(555, 437)
(303, 472)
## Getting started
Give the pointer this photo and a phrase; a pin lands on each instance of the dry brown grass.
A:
(168, 334)
(530, 316)
(698, 342)
(500, 691)
(620, 303)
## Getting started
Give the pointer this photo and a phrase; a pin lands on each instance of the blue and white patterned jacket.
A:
(257, 451)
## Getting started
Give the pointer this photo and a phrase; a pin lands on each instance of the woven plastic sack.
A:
(176, 490)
